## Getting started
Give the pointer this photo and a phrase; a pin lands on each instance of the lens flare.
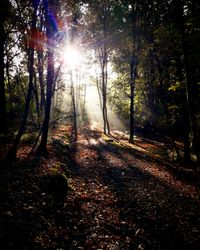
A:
(71, 57)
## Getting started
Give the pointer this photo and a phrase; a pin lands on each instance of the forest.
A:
(100, 124)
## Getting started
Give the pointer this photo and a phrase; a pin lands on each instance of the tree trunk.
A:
(106, 126)
(188, 82)
(41, 79)
(106, 82)
(42, 148)
(185, 115)
(104, 69)
(10, 91)
(35, 91)
(73, 102)
(40, 67)
(186, 139)
(3, 8)
(104, 102)
(13, 150)
(133, 70)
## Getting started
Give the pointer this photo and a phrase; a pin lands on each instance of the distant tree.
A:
(99, 31)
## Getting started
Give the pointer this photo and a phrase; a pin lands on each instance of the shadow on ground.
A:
(116, 202)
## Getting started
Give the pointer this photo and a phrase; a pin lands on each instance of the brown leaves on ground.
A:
(122, 197)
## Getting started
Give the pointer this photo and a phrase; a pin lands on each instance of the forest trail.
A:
(127, 200)
(122, 196)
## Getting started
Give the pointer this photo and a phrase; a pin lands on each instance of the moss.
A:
(29, 138)
(60, 167)
(105, 137)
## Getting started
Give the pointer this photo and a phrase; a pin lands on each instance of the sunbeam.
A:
(71, 56)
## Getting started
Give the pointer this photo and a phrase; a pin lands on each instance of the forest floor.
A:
(122, 196)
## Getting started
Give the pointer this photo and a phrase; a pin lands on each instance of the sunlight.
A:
(94, 111)
(93, 107)
(71, 56)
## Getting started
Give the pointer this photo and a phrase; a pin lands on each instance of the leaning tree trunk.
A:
(13, 150)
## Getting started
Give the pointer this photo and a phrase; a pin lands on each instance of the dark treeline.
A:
(152, 47)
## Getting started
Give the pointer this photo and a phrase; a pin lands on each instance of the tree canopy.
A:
(143, 57)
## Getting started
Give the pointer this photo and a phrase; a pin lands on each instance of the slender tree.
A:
(50, 12)
(12, 152)
(133, 72)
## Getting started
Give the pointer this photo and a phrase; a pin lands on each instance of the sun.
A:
(71, 56)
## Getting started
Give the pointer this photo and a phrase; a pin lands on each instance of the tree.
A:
(100, 37)
(4, 6)
(12, 151)
(50, 13)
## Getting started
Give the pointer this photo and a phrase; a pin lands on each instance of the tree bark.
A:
(41, 79)
(35, 91)
(40, 67)
(185, 115)
(13, 150)
(188, 82)
(42, 148)
(133, 71)
(73, 102)
(3, 9)
(10, 91)
(104, 69)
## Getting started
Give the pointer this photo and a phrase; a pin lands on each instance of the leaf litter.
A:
(120, 199)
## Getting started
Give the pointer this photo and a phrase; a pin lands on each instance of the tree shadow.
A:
(177, 170)
(144, 200)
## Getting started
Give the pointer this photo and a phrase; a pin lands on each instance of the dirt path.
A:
(127, 200)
